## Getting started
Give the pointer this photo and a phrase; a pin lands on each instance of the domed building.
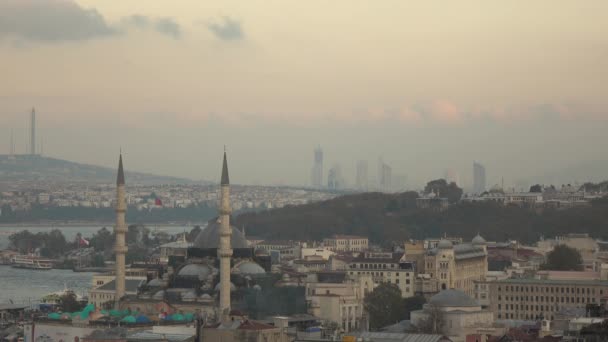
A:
(456, 312)
(210, 237)
(456, 266)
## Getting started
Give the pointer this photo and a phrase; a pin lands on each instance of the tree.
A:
(536, 188)
(412, 304)
(69, 303)
(138, 234)
(384, 306)
(24, 241)
(563, 258)
(193, 233)
(103, 240)
(433, 323)
(441, 187)
(54, 243)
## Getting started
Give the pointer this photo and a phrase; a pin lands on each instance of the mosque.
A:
(219, 274)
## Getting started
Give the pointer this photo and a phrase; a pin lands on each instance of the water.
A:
(29, 286)
(70, 232)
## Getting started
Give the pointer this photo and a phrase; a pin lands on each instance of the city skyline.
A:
(415, 93)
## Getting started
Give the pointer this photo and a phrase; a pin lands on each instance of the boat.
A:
(31, 262)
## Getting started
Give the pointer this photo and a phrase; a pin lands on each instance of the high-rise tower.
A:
(120, 248)
(317, 169)
(362, 177)
(33, 132)
(224, 251)
(479, 178)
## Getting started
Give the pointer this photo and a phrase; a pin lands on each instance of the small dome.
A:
(452, 298)
(232, 287)
(445, 244)
(250, 268)
(257, 287)
(189, 296)
(478, 240)
(205, 296)
(156, 282)
(159, 295)
(199, 271)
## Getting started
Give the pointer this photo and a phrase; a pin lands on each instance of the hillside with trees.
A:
(394, 217)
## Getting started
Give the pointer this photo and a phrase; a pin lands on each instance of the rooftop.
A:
(453, 298)
(551, 281)
(131, 285)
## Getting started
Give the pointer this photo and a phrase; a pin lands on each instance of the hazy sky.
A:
(520, 86)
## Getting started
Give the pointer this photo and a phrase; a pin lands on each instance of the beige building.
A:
(450, 266)
(104, 296)
(241, 329)
(456, 313)
(336, 297)
(346, 243)
(583, 243)
(386, 268)
(526, 299)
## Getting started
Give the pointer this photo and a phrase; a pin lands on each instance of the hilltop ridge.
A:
(36, 168)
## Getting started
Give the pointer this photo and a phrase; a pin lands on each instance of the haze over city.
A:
(427, 86)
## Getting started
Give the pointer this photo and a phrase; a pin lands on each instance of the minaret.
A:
(224, 251)
(120, 248)
(33, 132)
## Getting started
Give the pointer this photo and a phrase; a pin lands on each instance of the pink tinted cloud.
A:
(444, 111)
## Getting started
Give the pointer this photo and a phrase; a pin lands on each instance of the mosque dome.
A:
(156, 282)
(445, 244)
(200, 271)
(210, 237)
(159, 295)
(232, 287)
(250, 267)
(452, 298)
(189, 296)
(478, 240)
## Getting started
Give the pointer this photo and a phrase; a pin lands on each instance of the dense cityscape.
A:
(301, 171)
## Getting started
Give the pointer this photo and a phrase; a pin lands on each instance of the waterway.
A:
(23, 286)
(29, 286)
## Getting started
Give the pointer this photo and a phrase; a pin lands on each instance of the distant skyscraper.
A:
(385, 176)
(12, 143)
(33, 132)
(317, 169)
(451, 176)
(362, 175)
(335, 181)
(479, 178)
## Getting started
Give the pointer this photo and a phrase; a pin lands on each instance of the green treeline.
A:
(394, 217)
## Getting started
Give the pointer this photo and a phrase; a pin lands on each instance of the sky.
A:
(519, 86)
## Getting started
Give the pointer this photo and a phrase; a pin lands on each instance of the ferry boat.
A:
(31, 262)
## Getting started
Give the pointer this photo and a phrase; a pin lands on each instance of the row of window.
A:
(374, 266)
(550, 299)
(516, 307)
(381, 274)
(549, 289)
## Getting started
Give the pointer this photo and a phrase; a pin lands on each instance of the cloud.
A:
(227, 29)
(65, 20)
(166, 26)
(51, 20)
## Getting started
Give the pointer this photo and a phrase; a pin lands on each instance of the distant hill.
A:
(28, 168)
(387, 218)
